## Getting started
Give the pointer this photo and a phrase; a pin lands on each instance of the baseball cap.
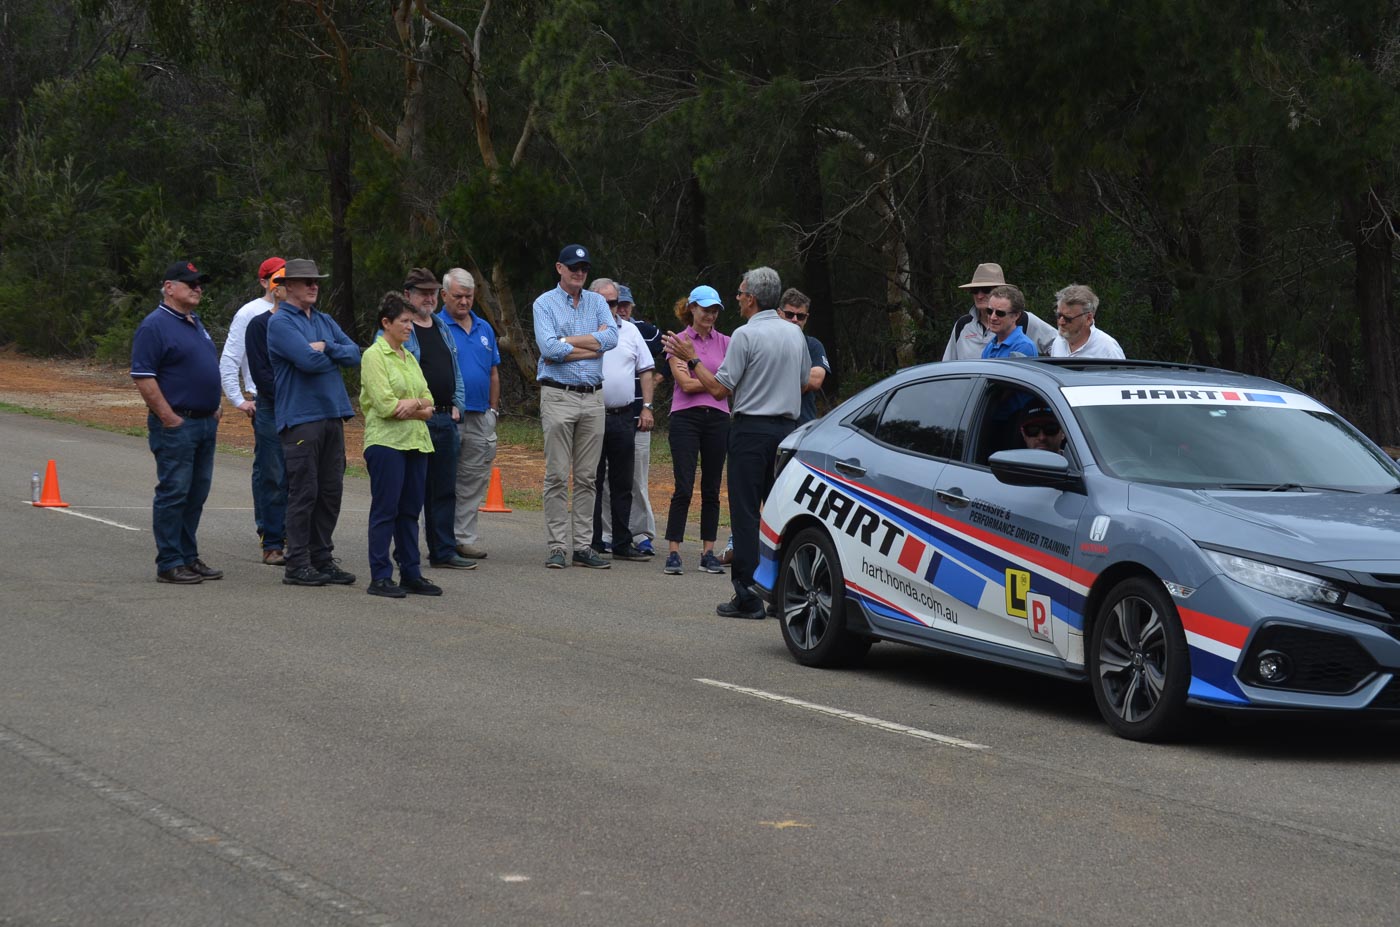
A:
(185, 272)
(705, 296)
(1038, 412)
(624, 294)
(270, 266)
(574, 254)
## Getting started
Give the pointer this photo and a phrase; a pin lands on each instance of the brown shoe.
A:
(274, 557)
(471, 552)
(180, 575)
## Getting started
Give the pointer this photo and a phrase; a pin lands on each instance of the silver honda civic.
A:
(1178, 536)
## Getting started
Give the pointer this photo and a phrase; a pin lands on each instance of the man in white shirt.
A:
(623, 367)
(1075, 308)
(237, 382)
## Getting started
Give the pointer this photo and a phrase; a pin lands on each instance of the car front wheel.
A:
(1139, 666)
(811, 598)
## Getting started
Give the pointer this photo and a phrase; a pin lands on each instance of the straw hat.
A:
(985, 275)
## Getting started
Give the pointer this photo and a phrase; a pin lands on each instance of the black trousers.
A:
(618, 451)
(702, 434)
(315, 457)
(753, 451)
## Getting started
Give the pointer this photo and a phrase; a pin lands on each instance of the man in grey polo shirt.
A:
(764, 371)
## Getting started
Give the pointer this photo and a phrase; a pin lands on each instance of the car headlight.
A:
(1280, 581)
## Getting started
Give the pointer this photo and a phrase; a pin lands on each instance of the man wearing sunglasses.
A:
(1075, 309)
(1005, 309)
(970, 332)
(176, 370)
(796, 307)
(1041, 430)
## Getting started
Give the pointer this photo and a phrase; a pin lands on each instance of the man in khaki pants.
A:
(573, 327)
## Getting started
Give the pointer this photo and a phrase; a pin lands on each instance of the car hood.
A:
(1318, 527)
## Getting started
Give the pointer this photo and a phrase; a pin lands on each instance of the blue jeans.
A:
(440, 492)
(184, 473)
(269, 477)
(395, 496)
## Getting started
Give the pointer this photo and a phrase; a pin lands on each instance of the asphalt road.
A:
(581, 747)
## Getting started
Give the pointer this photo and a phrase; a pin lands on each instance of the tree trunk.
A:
(816, 256)
(339, 164)
(1367, 226)
(1255, 348)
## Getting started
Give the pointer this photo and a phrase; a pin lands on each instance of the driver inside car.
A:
(1041, 430)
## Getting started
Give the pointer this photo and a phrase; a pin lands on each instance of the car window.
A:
(1234, 446)
(926, 417)
(867, 418)
(998, 424)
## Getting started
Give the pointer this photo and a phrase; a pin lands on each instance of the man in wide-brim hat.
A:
(970, 333)
(307, 349)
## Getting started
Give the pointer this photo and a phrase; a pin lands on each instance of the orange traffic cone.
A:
(51, 498)
(495, 496)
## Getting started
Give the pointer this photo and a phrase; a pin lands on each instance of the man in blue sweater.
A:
(307, 350)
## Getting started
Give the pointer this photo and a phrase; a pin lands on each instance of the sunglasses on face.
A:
(794, 316)
(579, 268)
(612, 303)
(1001, 312)
(1069, 318)
(1049, 429)
(981, 290)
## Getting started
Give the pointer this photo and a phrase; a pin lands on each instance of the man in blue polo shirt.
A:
(176, 369)
(1005, 309)
(479, 360)
(308, 350)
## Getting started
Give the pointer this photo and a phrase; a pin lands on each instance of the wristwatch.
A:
(647, 406)
(693, 363)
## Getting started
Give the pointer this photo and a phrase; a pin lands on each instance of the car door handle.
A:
(850, 467)
(953, 497)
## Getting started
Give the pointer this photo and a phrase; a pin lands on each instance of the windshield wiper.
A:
(1281, 487)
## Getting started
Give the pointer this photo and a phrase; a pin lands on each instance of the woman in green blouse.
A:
(396, 404)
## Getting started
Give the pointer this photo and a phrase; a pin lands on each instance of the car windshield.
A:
(1235, 447)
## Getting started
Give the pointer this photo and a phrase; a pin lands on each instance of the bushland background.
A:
(1224, 175)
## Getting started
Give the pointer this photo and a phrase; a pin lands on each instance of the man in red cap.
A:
(237, 382)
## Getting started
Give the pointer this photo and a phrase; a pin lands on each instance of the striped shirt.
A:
(557, 316)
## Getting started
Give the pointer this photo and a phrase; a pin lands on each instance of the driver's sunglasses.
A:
(1050, 429)
(1001, 312)
(794, 316)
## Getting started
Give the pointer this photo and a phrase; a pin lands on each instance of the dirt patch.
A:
(103, 395)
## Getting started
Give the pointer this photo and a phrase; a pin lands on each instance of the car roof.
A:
(1064, 371)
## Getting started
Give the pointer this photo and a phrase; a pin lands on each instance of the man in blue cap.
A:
(175, 366)
(573, 328)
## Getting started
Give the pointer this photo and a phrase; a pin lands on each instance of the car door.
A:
(1008, 549)
(878, 497)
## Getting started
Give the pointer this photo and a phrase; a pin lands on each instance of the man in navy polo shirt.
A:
(479, 360)
(176, 369)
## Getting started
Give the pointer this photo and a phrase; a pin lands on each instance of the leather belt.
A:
(443, 409)
(571, 388)
(620, 410)
(191, 413)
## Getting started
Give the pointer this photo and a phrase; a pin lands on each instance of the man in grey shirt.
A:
(764, 371)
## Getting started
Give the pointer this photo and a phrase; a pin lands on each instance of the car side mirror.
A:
(1030, 467)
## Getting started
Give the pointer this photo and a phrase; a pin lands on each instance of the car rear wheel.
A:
(1139, 666)
(811, 600)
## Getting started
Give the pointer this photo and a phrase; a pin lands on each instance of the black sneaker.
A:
(628, 552)
(418, 586)
(204, 570)
(304, 576)
(734, 608)
(334, 574)
(387, 588)
(588, 557)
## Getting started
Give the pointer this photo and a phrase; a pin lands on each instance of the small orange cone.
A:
(495, 496)
(51, 498)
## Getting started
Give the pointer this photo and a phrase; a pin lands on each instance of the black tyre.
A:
(811, 602)
(1139, 666)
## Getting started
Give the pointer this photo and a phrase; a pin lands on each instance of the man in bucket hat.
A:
(970, 333)
(176, 369)
(307, 350)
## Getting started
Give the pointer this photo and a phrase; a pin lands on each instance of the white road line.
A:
(114, 524)
(891, 726)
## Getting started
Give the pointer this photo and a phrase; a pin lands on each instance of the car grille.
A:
(1320, 661)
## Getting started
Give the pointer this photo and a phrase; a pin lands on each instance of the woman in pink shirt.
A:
(699, 430)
